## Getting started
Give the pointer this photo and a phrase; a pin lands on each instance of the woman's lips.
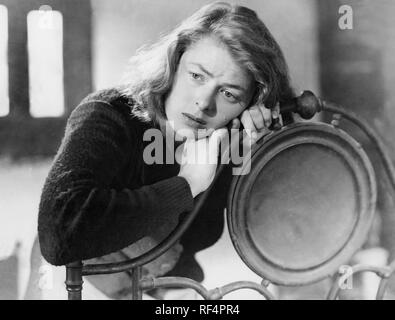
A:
(194, 121)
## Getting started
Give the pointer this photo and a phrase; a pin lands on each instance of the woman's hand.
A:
(199, 160)
(257, 120)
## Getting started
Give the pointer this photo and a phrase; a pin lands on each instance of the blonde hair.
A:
(151, 71)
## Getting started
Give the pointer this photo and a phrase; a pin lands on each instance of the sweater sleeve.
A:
(80, 215)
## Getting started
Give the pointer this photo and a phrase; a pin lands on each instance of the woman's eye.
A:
(228, 95)
(196, 76)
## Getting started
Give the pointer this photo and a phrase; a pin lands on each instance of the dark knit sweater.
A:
(100, 196)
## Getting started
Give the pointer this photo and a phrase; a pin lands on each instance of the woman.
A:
(220, 68)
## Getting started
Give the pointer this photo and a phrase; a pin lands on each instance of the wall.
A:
(358, 72)
(120, 27)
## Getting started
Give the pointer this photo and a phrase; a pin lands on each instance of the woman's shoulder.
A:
(110, 100)
(109, 110)
(105, 103)
(108, 95)
(113, 100)
(98, 106)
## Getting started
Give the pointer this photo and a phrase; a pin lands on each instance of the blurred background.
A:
(53, 53)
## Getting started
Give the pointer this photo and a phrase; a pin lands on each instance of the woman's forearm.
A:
(86, 221)
(81, 215)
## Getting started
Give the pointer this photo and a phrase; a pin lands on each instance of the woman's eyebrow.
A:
(235, 86)
(230, 85)
(202, 68)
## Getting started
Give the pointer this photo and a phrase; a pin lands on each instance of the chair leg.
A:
(74, 280)
(137, 293)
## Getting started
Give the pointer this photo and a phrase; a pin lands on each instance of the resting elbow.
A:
(54, 237)
(54, 248)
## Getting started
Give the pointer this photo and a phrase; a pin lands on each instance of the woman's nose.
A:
(205, 101)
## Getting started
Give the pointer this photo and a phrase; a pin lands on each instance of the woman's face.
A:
(209, 89)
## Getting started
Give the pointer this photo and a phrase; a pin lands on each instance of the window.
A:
(45, 54)
(4, 99)
(37, 93)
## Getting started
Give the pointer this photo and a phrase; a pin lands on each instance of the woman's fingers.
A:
(204, 150)
(215, 140)
(248, 124)
(267, 115)
(235, 123)
(277, 108)
(257, 117)
(276, 113)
